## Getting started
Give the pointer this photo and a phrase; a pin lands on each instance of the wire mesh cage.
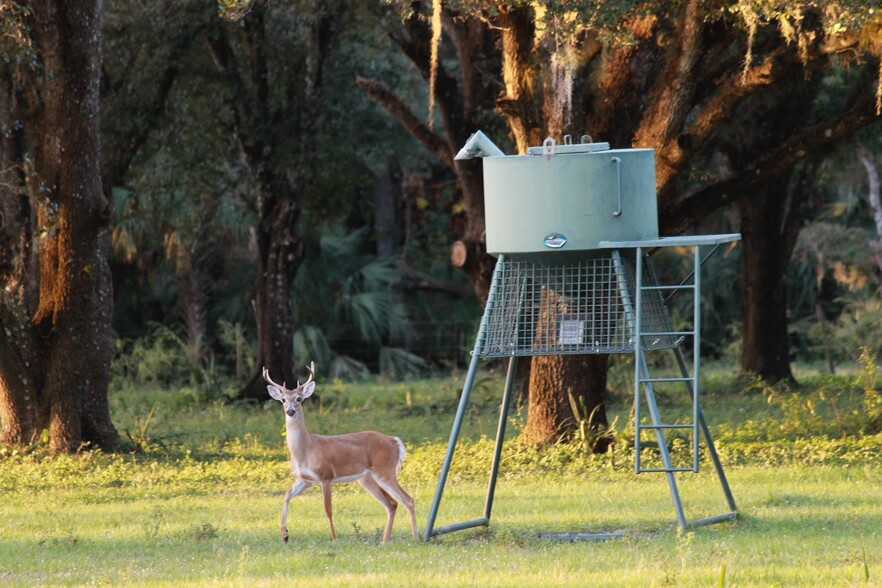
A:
(577, 307)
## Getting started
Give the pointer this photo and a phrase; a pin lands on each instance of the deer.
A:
(372, 459)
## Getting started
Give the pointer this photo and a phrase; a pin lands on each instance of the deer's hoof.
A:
(285, 538)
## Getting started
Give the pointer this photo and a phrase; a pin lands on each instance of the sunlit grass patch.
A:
(199, 504)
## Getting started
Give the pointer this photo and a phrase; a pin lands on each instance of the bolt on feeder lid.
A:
(565, 198)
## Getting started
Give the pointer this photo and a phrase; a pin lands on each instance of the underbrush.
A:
(830, 407)
(829, 419)
(180, 441)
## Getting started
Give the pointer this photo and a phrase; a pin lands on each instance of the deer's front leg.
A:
(326, 494)
(298, 487)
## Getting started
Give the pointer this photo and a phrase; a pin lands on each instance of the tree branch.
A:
(416, 280)
(119, 161)
(674, 89)
(467, 35)
(678, 216)
(395, 106)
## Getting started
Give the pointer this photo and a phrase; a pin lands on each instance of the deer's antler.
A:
(268, 380)
(311, 368)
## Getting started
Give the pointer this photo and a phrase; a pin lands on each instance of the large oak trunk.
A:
(552, 380)
(57, 372)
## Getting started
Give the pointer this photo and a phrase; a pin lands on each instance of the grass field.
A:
(200, 505)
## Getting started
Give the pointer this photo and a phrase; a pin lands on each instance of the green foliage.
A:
(588, 433)
(837, 407)
(140, 435)
(857, 327)
(400, 364)
(867, 381)
(162, 358)
(155, 359)
(345, 301)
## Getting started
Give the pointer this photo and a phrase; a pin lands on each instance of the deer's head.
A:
(292, 398)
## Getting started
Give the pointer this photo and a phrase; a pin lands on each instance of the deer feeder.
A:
(572, 225)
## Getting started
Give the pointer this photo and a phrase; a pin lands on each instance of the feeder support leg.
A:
(451, 445)
(500, 434)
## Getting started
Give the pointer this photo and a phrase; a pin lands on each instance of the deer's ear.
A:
(308, 389)
(275, 393)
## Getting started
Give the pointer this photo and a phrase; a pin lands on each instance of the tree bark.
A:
(549, 416)
(522, 102)
(280, 253)
(62, 380)
(769, 226)
(875, 200)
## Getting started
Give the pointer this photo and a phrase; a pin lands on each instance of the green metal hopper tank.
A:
(565, 198)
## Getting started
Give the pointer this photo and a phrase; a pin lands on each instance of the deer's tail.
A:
(401, 453)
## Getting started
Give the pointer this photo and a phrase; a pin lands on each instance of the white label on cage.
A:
(571, 332)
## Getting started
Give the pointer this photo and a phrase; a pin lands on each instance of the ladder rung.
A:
(666, 333)
(680, 287)
(681, 426)
(652, 380)
(666, 470)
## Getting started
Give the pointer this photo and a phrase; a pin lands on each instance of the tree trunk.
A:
(57, 372)
(875, 200)
(554, 379)
(522, 102)
(769, 225)
(22, 411)
(280, 253)
(265, 129)
(549, 415)
(387, 210)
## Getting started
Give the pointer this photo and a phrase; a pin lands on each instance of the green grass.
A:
(200, 505)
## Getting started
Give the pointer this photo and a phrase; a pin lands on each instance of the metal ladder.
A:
(644, 384)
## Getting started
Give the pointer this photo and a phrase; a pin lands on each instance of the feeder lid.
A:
(550, 147)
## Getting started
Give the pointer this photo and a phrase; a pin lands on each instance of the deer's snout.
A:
(290, 411)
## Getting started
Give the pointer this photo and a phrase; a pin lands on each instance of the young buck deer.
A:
(371, 458)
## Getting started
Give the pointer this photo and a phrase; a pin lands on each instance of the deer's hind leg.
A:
(394, 489)
(383, 498)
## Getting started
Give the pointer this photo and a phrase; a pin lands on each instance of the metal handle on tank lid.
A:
(548, 149)
(618, 161)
